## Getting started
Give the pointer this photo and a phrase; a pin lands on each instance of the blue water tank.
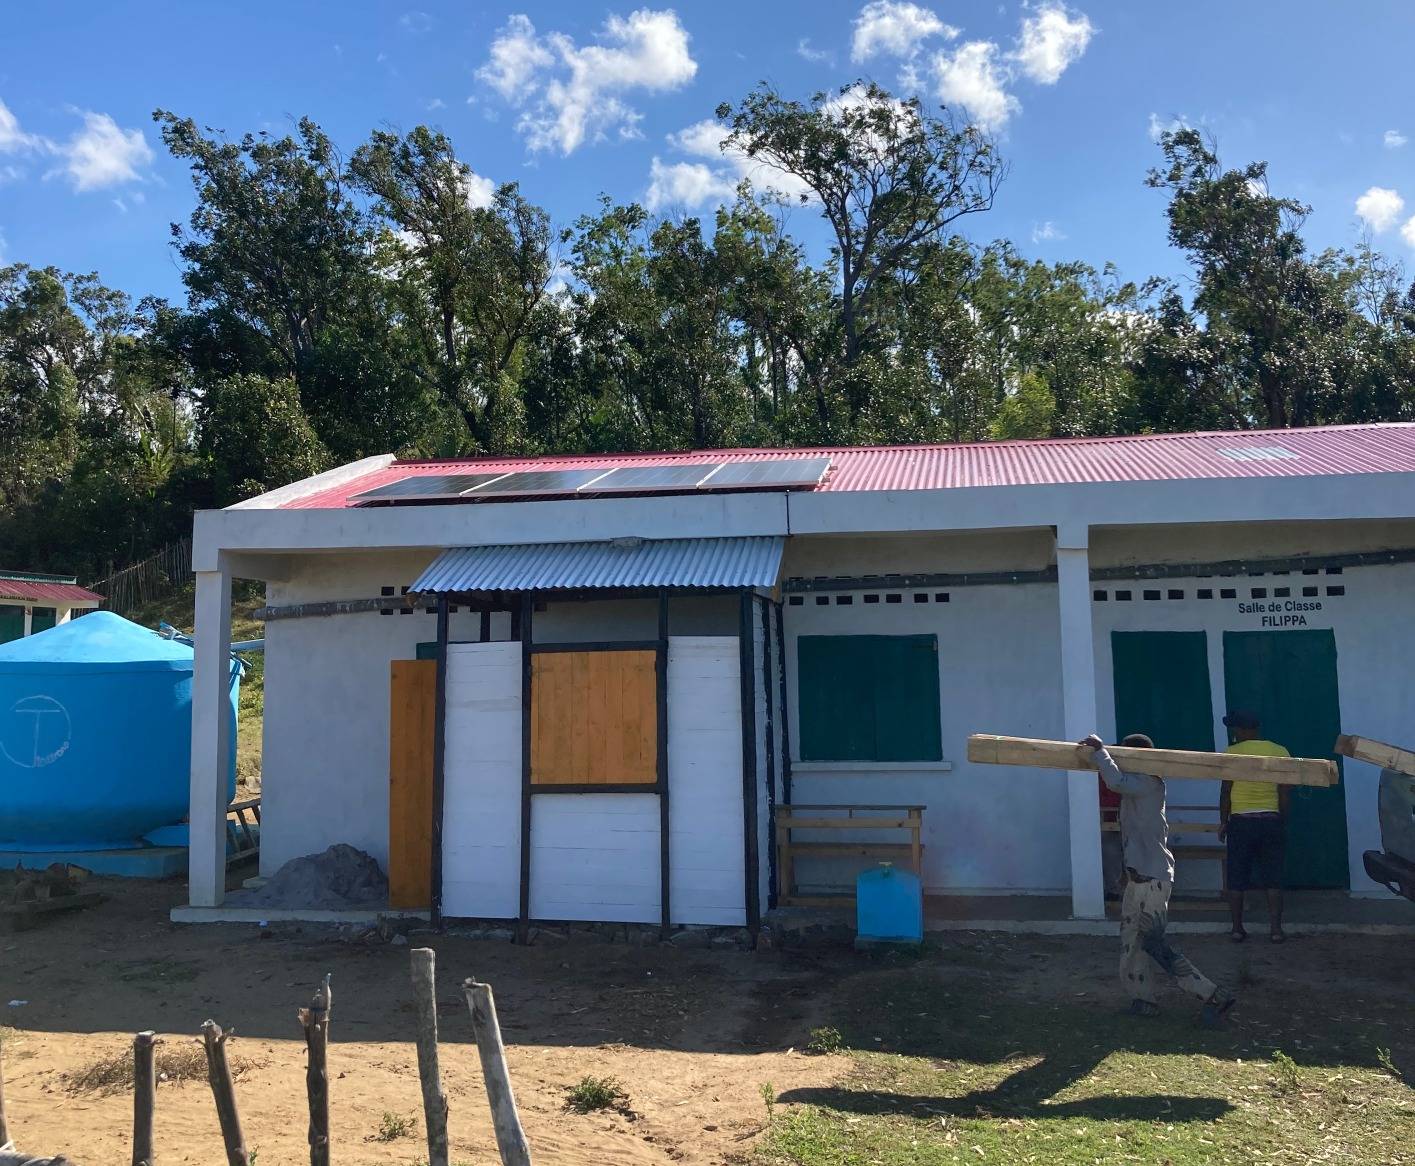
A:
(889, 906)
(95, 735)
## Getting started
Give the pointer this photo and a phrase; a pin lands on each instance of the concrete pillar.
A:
(211, 738)
(62, 615)
(1078, 692)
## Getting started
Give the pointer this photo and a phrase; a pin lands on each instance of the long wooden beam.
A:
(1180, 763)
(1377, 753)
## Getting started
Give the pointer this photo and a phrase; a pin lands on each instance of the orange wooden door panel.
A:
(412, 709)
(594, 718)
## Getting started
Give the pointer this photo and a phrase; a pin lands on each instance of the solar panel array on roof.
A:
(533, 482)
(783, 472)
(427, 488)
(650, 478)
(766, 473)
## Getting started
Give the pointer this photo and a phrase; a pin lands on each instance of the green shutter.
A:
(12, 623)
(869, 698)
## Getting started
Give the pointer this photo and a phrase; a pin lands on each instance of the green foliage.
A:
(392, 1126)
(393, 302)
(768, 1092)
(1285, 1072)
(595, 1093)
(825, 1040)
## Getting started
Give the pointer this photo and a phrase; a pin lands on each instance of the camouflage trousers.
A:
(1144, 910)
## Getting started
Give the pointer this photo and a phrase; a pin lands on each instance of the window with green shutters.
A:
(869, 698)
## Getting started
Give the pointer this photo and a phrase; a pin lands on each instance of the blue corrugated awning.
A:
(736, 563)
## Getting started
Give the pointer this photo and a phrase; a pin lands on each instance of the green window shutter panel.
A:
(869, 698)
(43, 620)
(427, 651)
(12, 623)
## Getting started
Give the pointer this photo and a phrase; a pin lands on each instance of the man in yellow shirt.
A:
(1251, 815)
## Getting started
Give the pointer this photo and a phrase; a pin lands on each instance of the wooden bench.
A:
(1182, 827)
(906, 820)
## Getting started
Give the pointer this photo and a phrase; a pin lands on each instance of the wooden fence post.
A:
(4, 1125)
(510, 1138)
(315, 1021)
(144, 1096)
(434, 1098)
(218, 1074)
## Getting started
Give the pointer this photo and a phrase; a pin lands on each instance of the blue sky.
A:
(575, 99)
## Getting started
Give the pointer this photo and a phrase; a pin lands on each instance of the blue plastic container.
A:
(889, 906)
(95, 735)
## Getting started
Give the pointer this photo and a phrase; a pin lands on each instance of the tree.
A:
(257, 437)
(1271, 314)
(888, 178)
(468, 276)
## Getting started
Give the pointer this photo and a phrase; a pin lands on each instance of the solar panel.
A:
(426, 488)
(779, 472)
(529, 483)
(650, 479)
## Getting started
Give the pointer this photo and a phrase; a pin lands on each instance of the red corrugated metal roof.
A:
(1279, 453)
(46, 594)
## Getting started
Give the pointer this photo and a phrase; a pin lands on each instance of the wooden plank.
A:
(793, 823)
(850, 849)
(1167, 763)
(412, 711)
(1377, 753)
(594, 718)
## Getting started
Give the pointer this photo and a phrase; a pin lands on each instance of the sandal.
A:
(1238, 935)
(1216, 1007)
(1144, 1008)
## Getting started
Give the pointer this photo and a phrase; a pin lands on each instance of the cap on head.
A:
(1137, 741)
(1241, 719)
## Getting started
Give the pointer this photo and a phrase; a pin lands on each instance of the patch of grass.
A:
(392, 1126)
(825, 1040)
(769, 1100)
(1285, 1072)
(594, 1093)
(157, 974)
(175, 1065)
(974, 1069)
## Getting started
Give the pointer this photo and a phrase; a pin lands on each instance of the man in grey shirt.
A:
(1144, 908)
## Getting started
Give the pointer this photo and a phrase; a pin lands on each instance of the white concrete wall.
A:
(707, 872)
(325, 745)
(481, 831)
(986, 828)
(595, 857)
(1375, 672)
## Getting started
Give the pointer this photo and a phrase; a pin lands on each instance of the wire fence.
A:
(155, 577)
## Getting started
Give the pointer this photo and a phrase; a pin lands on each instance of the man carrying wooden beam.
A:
(1144, 909)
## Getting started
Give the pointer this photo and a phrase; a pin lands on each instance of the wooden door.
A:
(412, 710)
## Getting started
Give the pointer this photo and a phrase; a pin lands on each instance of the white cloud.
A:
(894, 29)
(972, 78)
(694, 184)
(1379, 208)
(435, 104)
(1393, 139)
(687, 184)
(1159, 128)
(416, 21)
(103, 154)
(1046, 232)
(517, 58)
(1407, 232)
(14, 140)
(575, 93)
(481, 191)
(1052, 41)
(815, 56)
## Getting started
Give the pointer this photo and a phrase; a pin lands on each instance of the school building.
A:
(610, 688)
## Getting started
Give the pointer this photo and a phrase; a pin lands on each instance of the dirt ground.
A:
(692, 1035)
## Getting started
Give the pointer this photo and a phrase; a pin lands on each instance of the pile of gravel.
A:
(340, 878)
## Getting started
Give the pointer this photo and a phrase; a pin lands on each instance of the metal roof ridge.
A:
(806, 450)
